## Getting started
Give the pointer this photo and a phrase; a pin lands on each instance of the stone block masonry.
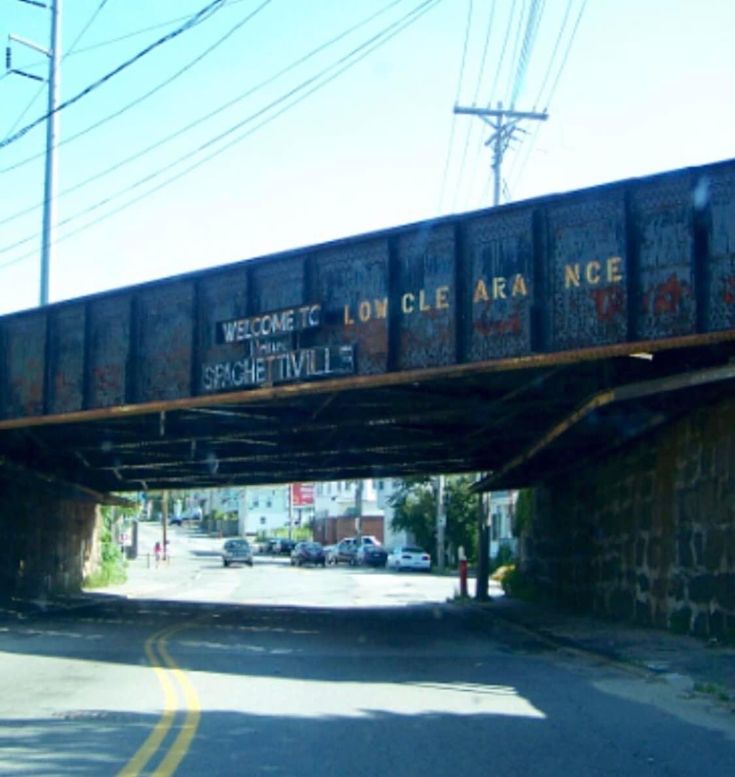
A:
(647, 535)
(47, 536)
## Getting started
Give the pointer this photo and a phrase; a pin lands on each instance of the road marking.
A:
(183, 741)
(166, 669)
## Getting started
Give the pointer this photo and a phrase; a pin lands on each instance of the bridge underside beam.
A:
(480, 421)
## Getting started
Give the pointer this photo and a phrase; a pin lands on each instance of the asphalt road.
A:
(124, 685)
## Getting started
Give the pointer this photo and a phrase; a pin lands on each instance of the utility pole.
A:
(52, 121)
(504, 123)
(441, 522)
(164, 522)
(483, 546)
(358, 507)
(290, 510)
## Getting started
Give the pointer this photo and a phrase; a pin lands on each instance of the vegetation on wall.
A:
(112, 563)
(523, 515)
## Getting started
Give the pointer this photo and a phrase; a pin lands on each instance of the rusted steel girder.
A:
(639, 262)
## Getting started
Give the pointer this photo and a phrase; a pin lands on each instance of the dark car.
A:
(308, 553)
(371, 555)
(284, 547)
(237, 552)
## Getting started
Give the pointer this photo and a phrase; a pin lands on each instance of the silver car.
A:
(237, 552)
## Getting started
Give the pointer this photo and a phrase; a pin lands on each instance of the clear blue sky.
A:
(647, 85)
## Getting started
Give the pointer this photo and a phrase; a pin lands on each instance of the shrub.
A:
(112, 563)
(517, 585)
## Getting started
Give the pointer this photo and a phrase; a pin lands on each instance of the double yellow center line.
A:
(170, 678)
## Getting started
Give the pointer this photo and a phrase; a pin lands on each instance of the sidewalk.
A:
(694, 666)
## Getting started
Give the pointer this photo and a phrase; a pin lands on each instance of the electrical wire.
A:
(554, 52)
(475, 97)
(566, 53)
(185, 68)
(565, 58)
(450, 145)
(198, 18)
(522, 158)
(191, 125)
(311, 85)
(502, 52)
(142, 31)
(86, 27)
(485, 47)
(514, 56)
(472, 125)
(535, 14)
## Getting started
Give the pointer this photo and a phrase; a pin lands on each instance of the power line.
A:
(483, 58)
(187, 67)
(534, 20)
(523, 157)
(249, 92)
(516, 45)
(312, 85)
(556, 82)
(143, 30)
(199, 17)
(456, 99)
(554, 52)
(471, 126)
(86, 27)
(503, 50)
(33, 99)
(566, 53)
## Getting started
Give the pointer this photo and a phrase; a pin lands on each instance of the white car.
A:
(409, 557)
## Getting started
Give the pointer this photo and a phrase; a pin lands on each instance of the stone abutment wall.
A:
(47, 538)
(649, 534)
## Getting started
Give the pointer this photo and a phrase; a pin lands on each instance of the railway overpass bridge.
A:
(536, 342)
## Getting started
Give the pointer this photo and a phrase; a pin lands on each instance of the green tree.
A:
(414, 506)
(462, 512)
(414, 510)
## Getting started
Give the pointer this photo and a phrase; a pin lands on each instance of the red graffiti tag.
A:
(486, 326)
(667, 296)
(728, 292)
(609, 301)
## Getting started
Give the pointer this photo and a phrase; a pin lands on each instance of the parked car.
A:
(347, 551)
(409, 557)
(343, 552)
(371, 555)
(308, 553)
(237, 552)
(283, 547)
